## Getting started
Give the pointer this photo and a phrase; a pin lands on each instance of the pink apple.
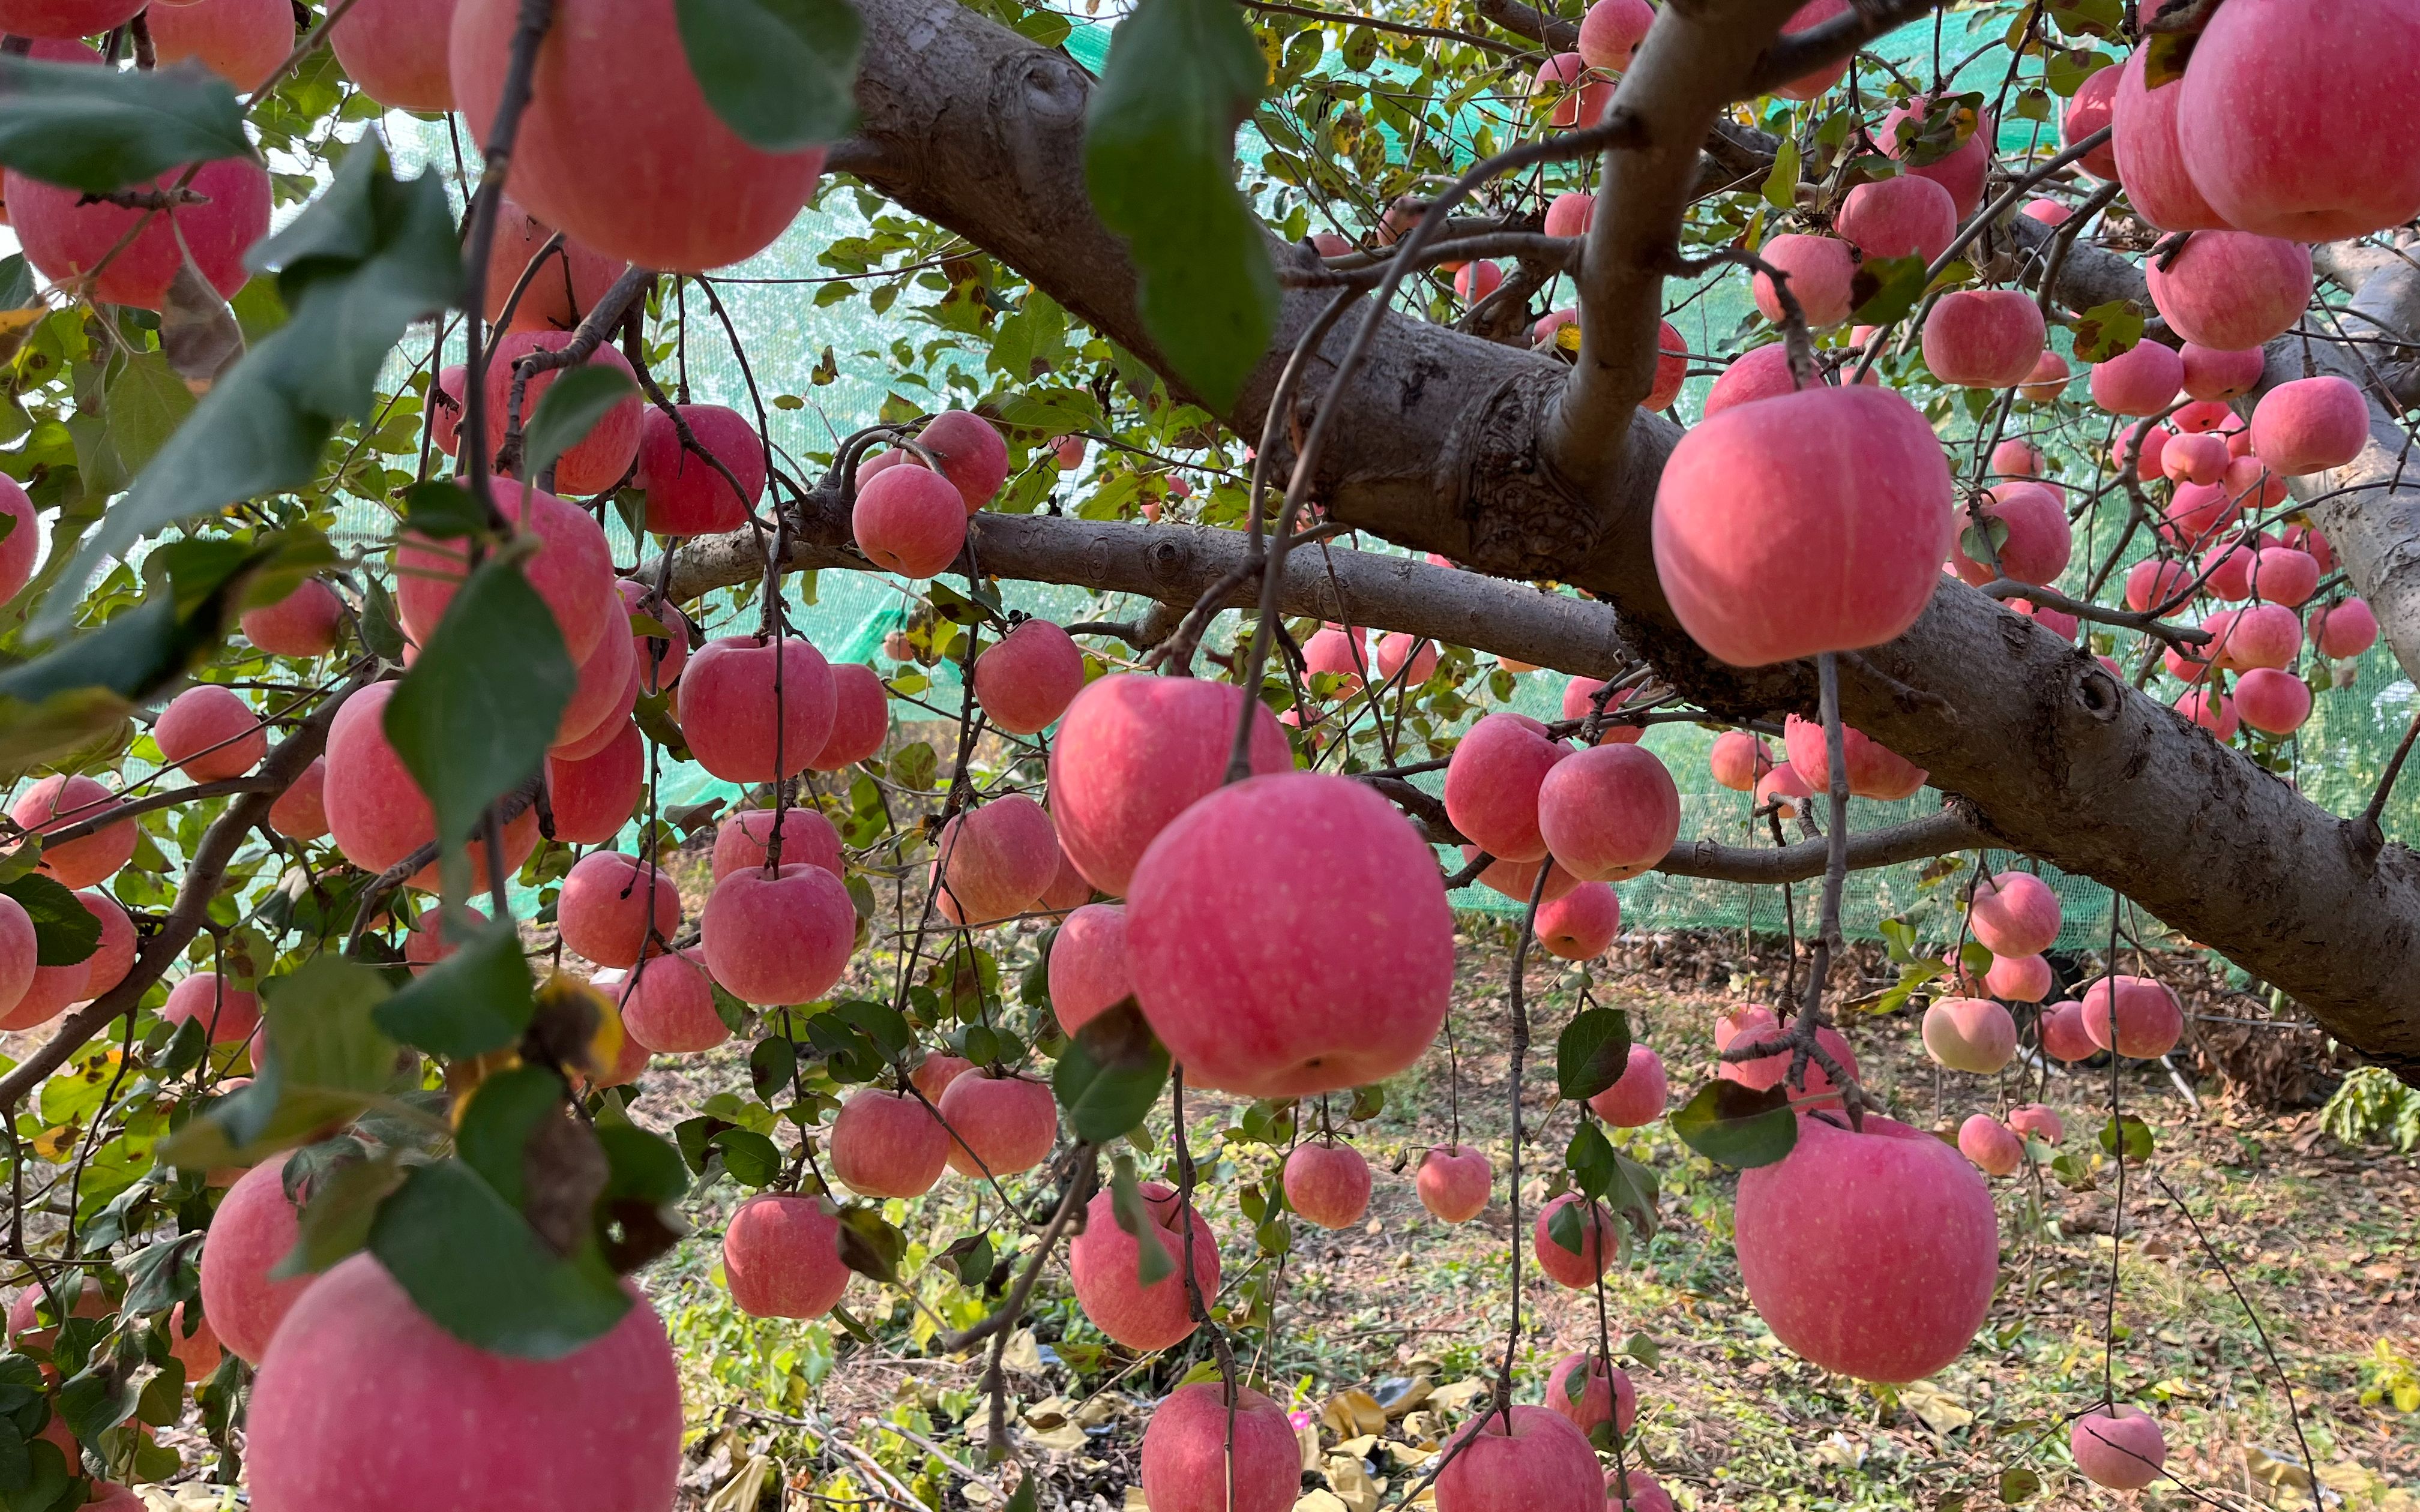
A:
(1970, 1034)
(2120, 1448)
(250, 1233)
(686, 494)
(1088, 965)
(2150, 163)
(1586, 1390)
(2339, 630)
(1133, 752)
(1983, 338)
(1875, 771)
(1522, 1460)
(1599, 1241)
(668, 1005)
(1026, 680)
(781, 940)
(861, 717)
(1103, 1263)
(302, 623)
(2088, 110)
(1199, 1455)
(1582, 924)
(1328, 1184)
(2309, 425)
(1819, 270)
(781, 1256)
(1738, 759)
(2150, 1019)
(1992, 1146)
(1902, 217)
(2232, 289)
(1492, 780)
(609, 904)
(743, 841)
(992, 862)
(2141, 380)
(1638, 1097)
(751, 712)
(887, 1145)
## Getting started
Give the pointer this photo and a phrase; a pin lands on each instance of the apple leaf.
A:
(1110, 1073)
(781, 73)
(1152, 1260)
(102, 128)
(1591, 1053)
(472, 1263)
(1732, 1125)
(568, 409)
(64, 931)
(2107, 330)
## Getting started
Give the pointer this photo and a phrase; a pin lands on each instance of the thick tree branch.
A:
(979, 130)
(1917, 839)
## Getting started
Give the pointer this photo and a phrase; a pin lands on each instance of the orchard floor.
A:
(2320, 1239)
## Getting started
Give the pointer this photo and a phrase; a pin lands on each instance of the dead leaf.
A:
(1353, 1411)
(1320, 1502)
(2277, 1475)
(198, 332)
(1935, 1408)
(1349, 1479)
(1024, 1353)
(1048, 1412)
(1305, 1438)
(1459, 1395)
(743, 1491)
(1066, 1438)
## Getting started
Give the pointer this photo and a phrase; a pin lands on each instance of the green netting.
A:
(2336, 759)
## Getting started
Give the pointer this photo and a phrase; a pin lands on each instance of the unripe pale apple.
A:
(1599, 1243)
(302, 623)
(1211, 940)
(1197, 1455)
(1902, 217)
(2232, 289)
(2292, 129)
(997, 1124)
(1522, 1460)
(1970, 1034)
(1328, 1184)
(2309, 425)
(754, 709)
(1491, 784)
(670, 186)
(1587, 1391)
(1819, 270)
(64, 237)
(361, 1357)
(778, 940)
(992, 862)
(1754, 1023)
(2339, 630)
(1872, 1254)
(2120, 1448)
(1609, 812)
(1582, 924)
(250, 1233)
(1088, 965)
(1983, 338)
(1133, 752)
(1453, 1182)
(2141, 380)
(1026, 680)
(1102, 1263)
(686, 494)
(2150, 1020)
(1875, 771)
(886, 1144)
(1809, 523)
(1638, 1097)
(1992, 1146)
(781, 1256)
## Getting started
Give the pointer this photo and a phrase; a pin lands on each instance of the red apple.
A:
(1637, 1098)
(395, 51)
(1522, 1460)
(1088, 965)
(861, 717)
(1328, 1184)
(1133, 752)
(1875, 771)
(65, 237)
(1582, 924)
(2229, 289)
(1992, 1146)
(1902, 217)
(2120, 1447)
(886, 1144)
(1026, 680)
(608, 904)
(1609, 812)
(781, 939)
(302, 623)
(1599, 1243)
(686, 494)
(992, 862)
(753, 708)
(250, 1233)
(2150, 1019)
(2309, 425)
(1983, 338)
(2150, 163)
(1491, 784)
(1586, 1390)
(1970, 1034)
(1199, 1456)
(1819, 270)
(743, 841)
(781, 1256)
(1103, 1262)
(998, 1125)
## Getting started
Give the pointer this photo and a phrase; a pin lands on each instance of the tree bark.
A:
(978, 130)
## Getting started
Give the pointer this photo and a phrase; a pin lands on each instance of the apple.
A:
(667, 1004)
(2091, 108)
(781, 940)
(2232, 289)
(992, 862)
(1992, 1146)
(1133, 752)
(600, 459)
(861, 717)
(302, 623)
(886, 1144)
(362, 1356)
(1582, 924)
(1902, 217)
(1807, 522)
(1217, 916)
(2039, 540)
(1453, 1182)
(65, 237)
(1026, 680)
(2212, 710)
(2291, 129)
(2339, 630)
(686, 494)
(2150, 1019)
(743, 841)
(1638, 1097)
(1337, 651)
(2141, 380)
(1611, 30)
(2309, 425)
(1970, 1034)
(972, 453)
(1961, 170)
(2063, 1035)
(1586, 1390)
(1609, 812)
(1103, 1263)
(592, 799)
(1201, 1454)
(242, 42)
(1819, 272)
(2048, 380)
(754, 708)
(1875, 771)
(1783, 788)
(999, 1124)
(1474, 282)
(1088, 965)
(1392, 652)
(2200, 459)
(1492, 780)
(2275, 702)
(2019, 979)
(2282, 575)
(2037, 1121)
(908, 520)
(2215, 373)
(566, 287)
(2151, 162)
(395, 51)
(668, 186)
(572, 570)
(1599, 1243)
(254, 1226)
(2120, 1447)
(1327, 1182)
(1983, 338)
(608, 904)
(2156, 583)
(1813, 13)
(1738, 759)
(781, 1256)
(228, 1013)
(1754, 1023)
(1579, 96)
(210, 733)
(1872, 1254)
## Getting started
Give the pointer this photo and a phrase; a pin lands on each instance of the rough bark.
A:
(982, 131)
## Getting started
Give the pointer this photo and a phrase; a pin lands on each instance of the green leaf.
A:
(1886, 288)
(568, 409)
(161, 1274)
(477, 712)
(1733, 1126)
(1110, 1073)
(2136, 1133)
(64, 932)
(335, 1219)
(1152, 1260)
(1023, 1499)
(445, 510)
(1591, 1053)
(326, 1060)
(869, 1246)
(752, 1159)
(361, 262)
(103, 129)
(1781, 184)
(477, 999)
(1568, 1230)
(2073, 1173)
(2108, 330)
(773, 1067)
(2018, 1485)
(497, 1121)
(476, 1268)
(146, 403)
(97, 1399)
(1632, 1194)
(1590, 1157)
(781, 73)
(1643, 1349)
(1159, 162)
